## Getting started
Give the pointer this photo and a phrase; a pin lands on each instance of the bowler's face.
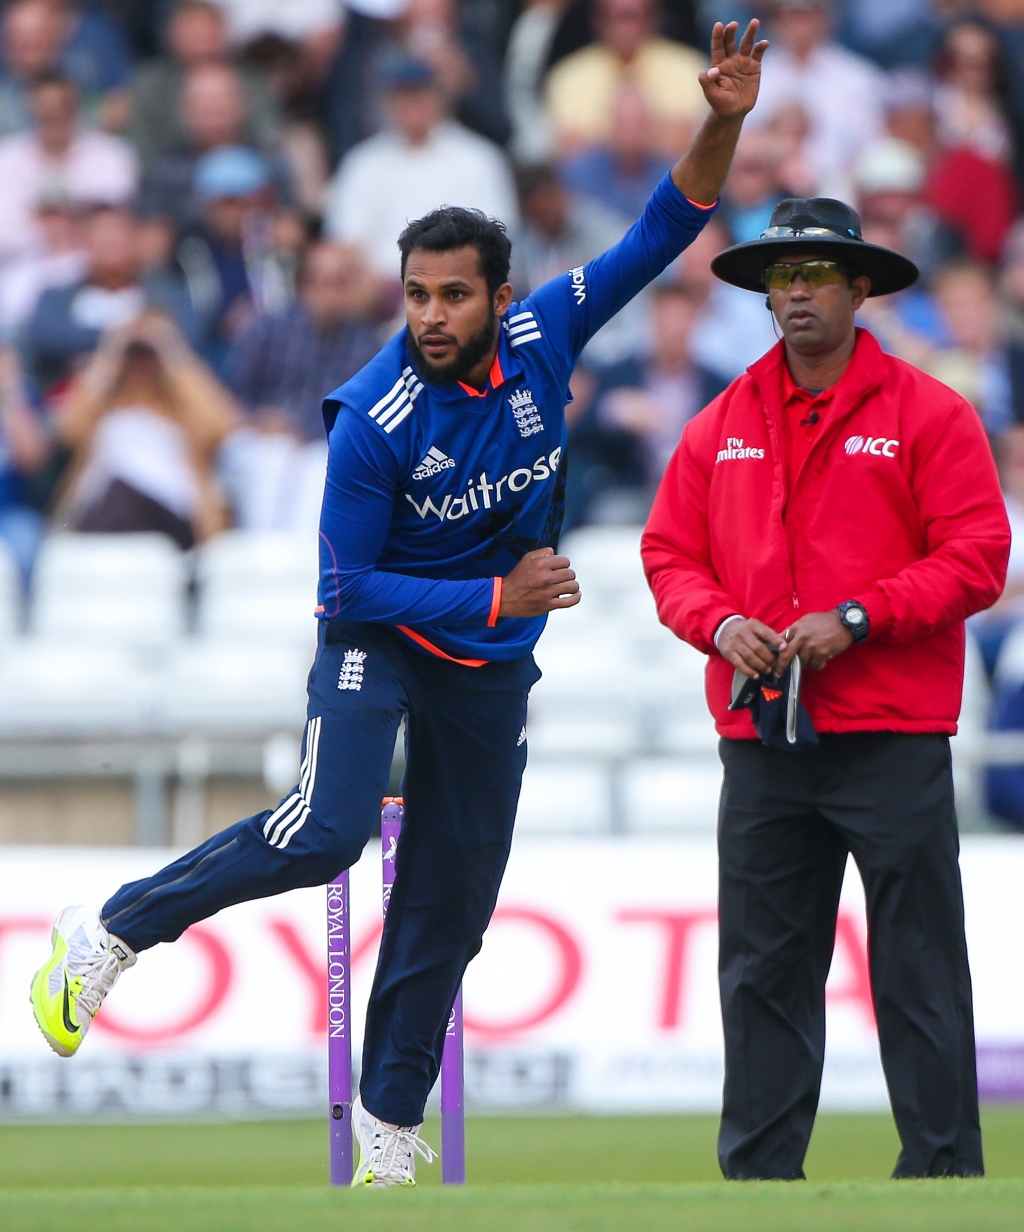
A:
(447, 303)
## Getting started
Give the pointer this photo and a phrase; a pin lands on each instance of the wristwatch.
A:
(854, 616)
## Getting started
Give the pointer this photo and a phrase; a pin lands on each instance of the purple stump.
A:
(339, 1031)
(453, 1112)
(453, 1117)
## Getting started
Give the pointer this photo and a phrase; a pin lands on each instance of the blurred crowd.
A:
(199, 203)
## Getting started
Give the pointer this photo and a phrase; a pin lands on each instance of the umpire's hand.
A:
(751, 646)
(816, 638)
(540, 583)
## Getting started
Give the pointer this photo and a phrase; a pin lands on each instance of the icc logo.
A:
(876, 445)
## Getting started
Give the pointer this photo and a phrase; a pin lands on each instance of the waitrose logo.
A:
(484, 494)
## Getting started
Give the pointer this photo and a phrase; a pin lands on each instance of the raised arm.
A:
(730, 85)
(574, 306)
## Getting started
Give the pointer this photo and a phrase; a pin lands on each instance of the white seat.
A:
(607, 563)
(569, 798)
(1010, 665)
(55, 687)
(228, 686)
(266, 557)
(672, 795)
(10, 594)
(122, 588)
(258, 585)
(283, 613)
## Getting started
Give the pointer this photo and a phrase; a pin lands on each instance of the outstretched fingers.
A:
(747, 42)
(729, 38)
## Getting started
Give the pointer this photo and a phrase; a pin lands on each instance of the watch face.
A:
(855, 615)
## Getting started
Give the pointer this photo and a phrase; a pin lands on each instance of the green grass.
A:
(530, 1174)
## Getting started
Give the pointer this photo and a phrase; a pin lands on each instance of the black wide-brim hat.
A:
(816, 225)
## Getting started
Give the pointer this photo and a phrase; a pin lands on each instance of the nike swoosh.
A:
(67, 1009)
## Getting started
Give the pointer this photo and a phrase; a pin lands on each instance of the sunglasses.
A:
(780, 277)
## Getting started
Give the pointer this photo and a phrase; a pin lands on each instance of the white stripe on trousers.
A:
(290, 815)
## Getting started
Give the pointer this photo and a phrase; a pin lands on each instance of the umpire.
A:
(837, 505)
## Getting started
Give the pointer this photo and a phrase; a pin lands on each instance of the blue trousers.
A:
(465, 757)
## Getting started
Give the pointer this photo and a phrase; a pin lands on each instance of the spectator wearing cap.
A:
(68, 321)
(753, 187)
(213, 102)
(223, 254)
(196, 37)
(581, 88)
(421, 160)
(58, 155)
(840, 92)
(464, 62)
(622, 173)
(57, 259)
(837, 507)
(890, 179)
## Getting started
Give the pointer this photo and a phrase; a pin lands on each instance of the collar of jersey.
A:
(506, 367)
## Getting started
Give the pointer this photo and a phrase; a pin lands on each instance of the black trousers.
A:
(786, 824)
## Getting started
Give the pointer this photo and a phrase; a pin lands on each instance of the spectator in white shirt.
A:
(423, 159)
(842, 93)
(58, 154)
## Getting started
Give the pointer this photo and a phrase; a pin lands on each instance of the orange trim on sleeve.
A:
(420, 640)
(701, 206)
(492, 619)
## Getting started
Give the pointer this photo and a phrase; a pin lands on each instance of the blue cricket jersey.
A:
(434, 492)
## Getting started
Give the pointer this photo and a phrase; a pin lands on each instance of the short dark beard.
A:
(465, 361)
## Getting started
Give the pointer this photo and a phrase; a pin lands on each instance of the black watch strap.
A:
(854, 616)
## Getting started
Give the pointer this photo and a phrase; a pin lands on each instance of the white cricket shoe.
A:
(387, 1153)
(68, 990)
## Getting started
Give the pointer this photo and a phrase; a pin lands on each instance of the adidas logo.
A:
(433, 464)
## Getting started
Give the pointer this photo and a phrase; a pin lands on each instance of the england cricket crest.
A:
(351, 674)
(527, 417)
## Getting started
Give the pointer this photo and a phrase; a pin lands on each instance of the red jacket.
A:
(897, 505)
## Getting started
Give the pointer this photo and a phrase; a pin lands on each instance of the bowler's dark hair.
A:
(453, 226)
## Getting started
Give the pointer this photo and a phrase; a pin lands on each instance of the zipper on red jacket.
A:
(796, 601)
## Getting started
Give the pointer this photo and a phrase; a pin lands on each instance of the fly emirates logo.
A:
(483, 494)
(734, 448)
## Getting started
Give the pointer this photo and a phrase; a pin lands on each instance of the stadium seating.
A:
(257, 585)
(124, 589)
(69, 687)
(232, 687)
(10, 595)
(619, 732)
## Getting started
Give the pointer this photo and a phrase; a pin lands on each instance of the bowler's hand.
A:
(748, 645)
(731, 83)
(816, 638)
(540, 583)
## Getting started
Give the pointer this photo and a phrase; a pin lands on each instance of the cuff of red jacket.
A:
(492, 619)
(879, 609)
(713, 621)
